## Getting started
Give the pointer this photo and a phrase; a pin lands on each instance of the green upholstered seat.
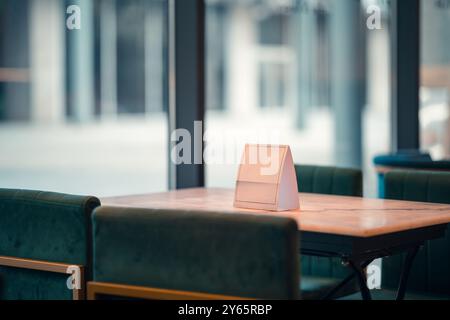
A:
(319, 274)
(228, 254)
(391, 295)
(430, 270)
(43, 226)
(315, 287)
(329, 180)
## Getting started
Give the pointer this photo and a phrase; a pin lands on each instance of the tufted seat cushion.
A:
(43, 226)
(229, 254)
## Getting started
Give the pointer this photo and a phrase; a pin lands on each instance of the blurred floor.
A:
(129, 155)
(103, 159)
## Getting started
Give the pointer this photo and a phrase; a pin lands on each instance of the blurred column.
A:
(81, 64)
(108, 58)
(216, 58)
(242, 61)
(348, 80)
(314, 49)
(154, 59)
(303, 25)
(405, 65)
(15, 57)
(47, 60)
(433, 31)
(187, 87)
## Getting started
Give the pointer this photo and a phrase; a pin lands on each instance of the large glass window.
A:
(82, 103)
(276, 74)
(435, 83)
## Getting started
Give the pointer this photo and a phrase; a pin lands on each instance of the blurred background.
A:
(85, 111)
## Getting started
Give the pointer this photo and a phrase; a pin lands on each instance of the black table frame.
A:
(358, 252)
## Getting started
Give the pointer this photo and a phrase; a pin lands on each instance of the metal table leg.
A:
(344, 282)
(405, 272)
(361, 274)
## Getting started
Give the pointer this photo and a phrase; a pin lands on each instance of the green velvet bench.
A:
(166, 254)
(44, 239)
(429, 277)
(320, 275)
(430, 273)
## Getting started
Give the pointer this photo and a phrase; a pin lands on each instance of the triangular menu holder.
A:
(269, 183)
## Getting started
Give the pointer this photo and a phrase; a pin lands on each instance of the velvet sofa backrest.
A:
(229, 254)
(44, 226)
(329, 180)
(430, 270)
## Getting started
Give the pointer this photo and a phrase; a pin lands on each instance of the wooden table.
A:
(358, 230)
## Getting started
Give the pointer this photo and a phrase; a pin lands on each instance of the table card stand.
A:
(267, 186)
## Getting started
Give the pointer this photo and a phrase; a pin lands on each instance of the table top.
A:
(349, 216)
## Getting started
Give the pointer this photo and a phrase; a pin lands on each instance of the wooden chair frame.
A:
(54, 267)
(95, 289)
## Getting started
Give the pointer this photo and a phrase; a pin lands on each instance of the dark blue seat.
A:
(406, 159)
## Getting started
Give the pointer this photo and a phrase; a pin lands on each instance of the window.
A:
(277, 71)
(435, 78)
(83, 111)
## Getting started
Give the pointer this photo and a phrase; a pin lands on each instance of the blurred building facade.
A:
(115, 64)
(310, 69)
